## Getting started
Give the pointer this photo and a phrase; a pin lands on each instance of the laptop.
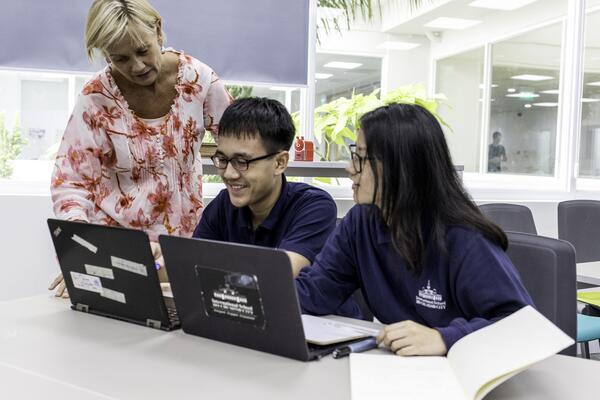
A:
(245, 295)
(111, 272)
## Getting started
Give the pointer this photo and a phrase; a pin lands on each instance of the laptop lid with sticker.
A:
(109, 271)
(235, 293)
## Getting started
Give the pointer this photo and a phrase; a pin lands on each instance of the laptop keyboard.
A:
(173, 317)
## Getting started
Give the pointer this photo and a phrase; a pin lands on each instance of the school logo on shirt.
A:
(430, 298)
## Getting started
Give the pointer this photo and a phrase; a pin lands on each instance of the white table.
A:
(53, 352)
(589, 272)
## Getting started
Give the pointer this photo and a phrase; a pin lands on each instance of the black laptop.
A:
(243, 295)
(111, 272)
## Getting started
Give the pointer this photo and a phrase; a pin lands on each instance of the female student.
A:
(428, 263)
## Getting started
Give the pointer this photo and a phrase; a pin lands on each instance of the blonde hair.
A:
(108, 21)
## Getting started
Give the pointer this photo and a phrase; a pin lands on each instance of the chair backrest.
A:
(579, 224)
(547, 269)
(510, 217)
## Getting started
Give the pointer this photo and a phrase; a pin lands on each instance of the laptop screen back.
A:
(235, 293)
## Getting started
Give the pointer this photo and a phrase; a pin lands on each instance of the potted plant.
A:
(10, 146)
(336, 123)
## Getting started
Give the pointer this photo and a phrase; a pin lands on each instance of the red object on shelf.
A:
(303, 149)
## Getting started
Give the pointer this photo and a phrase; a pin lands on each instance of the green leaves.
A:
(10, 146)
(417, 94)
(337, 122)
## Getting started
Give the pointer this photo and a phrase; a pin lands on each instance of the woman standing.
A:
(130, 153)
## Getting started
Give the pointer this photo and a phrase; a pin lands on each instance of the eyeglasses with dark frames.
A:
(238, 163)
(358, 161)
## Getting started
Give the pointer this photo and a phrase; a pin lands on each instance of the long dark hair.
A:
(420, 192)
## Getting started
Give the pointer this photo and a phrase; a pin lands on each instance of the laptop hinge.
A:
(82, 307)
(152, 323)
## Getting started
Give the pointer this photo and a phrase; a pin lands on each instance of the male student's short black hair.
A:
(259, 116)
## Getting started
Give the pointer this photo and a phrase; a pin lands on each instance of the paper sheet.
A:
(324, 331)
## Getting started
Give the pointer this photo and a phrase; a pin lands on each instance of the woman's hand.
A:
(407, 338)
(59, 284)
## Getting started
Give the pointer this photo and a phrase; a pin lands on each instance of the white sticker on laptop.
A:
(85, 243)
(113, 295)
(130, 266)
(100, 272)
(86, 282)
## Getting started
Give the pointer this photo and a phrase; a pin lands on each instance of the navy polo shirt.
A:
(470, 287)
(300, 221)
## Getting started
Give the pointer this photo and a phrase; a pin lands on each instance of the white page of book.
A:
(391, 377)
(325, 331)
(507, 346)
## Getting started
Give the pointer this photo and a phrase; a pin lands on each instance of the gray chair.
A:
(579, 224)
(510, 217)
(547, 269)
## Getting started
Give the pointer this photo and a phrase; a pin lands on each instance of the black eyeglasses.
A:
(358, 161)
(238, 163)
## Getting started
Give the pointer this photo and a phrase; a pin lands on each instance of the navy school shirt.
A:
(300, 221)
(473, 286)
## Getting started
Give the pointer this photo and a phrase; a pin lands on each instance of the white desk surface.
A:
(49, 351)
(589, 272)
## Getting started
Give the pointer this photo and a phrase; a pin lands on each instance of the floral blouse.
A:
(117, 169)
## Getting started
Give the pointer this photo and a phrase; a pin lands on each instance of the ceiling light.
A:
(527, 105)
(395, 45)
(511, 90)
(593, 83)
(451, 23)
(280, 88)
(588, 100)
(320, 75)
(481, 85)
(551, 91)
(524, 95)
(531, 77)
(506, 5)
(545, 104)
(342, 65)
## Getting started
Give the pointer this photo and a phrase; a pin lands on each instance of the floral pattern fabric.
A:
(114, 168)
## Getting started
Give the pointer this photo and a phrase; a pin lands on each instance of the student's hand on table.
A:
(59, 284)
(408, 338)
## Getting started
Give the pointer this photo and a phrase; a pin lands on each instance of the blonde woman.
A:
(130, 153)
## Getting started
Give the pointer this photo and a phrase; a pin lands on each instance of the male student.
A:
(259, 206)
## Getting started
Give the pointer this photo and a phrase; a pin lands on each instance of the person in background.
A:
(130, 153)
(428, 263)
(259, 206)
(496, 153)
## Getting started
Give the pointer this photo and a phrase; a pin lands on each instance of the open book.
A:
(475, 365)
(592, 298)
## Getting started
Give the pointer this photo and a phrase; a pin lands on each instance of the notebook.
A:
(475, 365)
(111, 272)
(245, 295)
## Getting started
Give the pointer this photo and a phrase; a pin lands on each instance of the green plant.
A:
(10, 145)
(338, 121)
(239, 92)
(417, 94)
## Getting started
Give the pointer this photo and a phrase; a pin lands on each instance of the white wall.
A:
(458, 78)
